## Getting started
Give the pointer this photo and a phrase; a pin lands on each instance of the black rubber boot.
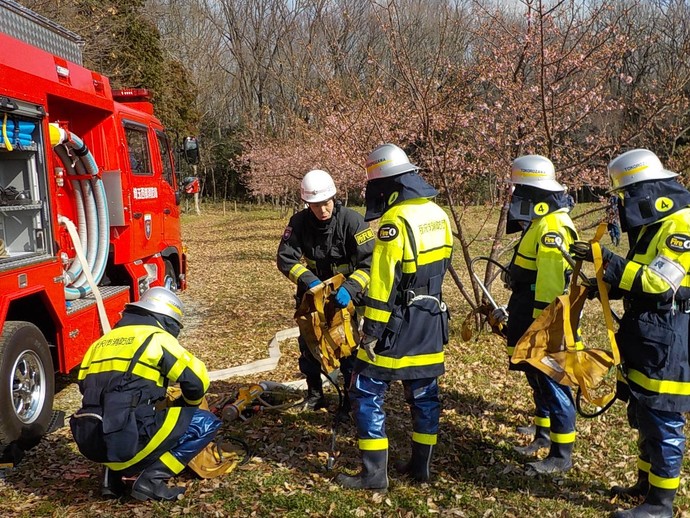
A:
(559, 460)
(640, 488)
(374, 474)
(314, 398)
(657, 504)
(112, 485)
(418, 468)
(541, 440)
(151, 484)
(529, 429)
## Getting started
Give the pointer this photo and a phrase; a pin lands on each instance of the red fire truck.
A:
(89, 214)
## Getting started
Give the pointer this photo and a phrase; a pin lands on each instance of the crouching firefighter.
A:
(653, 281)
(124, 422)
(539, 207)
(405, 319)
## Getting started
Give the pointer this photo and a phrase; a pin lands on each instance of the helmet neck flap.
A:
(644, 203)
(523, 202)
(383, 193)
(136, 316)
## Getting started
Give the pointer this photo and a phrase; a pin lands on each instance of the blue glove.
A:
(314, 283)
(342, 297)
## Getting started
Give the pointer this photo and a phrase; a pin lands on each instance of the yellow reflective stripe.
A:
(663, 483)
(168, 425)
(629, 274)
(177, 369)
(360, 277)
(424, 438)
(622, 174)
(147, 372)
(373, 444)
(171, 462)
(296, 272)
(112, 365)
(643, 465)
(420, 360)
(409, 267)
(544, 422)
(435, 255)
(377, 315)
(680, 388)
(525, 262)
(562, 438)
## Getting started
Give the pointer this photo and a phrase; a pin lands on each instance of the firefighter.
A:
(320, 241)
(539, 207)
(405, 319)
(123, 376)
(652, 279)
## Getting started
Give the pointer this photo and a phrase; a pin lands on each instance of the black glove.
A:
(593, 288)
(582, 251)
(499, 316)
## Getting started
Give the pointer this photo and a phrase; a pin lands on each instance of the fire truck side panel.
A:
(82, 328)
(44, 325)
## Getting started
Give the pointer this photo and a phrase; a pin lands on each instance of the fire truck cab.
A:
(89, 214)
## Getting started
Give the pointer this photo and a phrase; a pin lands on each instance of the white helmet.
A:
(536, 171)
(388, 160)
(162, 301)
(317, 186)
(635, 166)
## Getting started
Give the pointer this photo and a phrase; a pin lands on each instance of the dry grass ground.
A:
(236, 302)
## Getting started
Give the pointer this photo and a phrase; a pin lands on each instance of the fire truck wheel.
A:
(26, 367)
(170, 280)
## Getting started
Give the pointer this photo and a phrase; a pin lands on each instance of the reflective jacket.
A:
(124, 392)
(404, 306)
(538, 271)
(653, 335)
(343, 244)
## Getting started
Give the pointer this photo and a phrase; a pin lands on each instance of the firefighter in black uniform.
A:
(320, 241)
(539, 207)
(122, 378)
(654, 283)
(405, 318)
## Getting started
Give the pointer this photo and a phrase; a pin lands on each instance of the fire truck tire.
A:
(26, 367)
(170, 280)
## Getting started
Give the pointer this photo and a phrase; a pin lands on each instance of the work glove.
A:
(582, 251)
(593, 288)
(368, 343)
(342, 297)
(499, 315)
(314, 283)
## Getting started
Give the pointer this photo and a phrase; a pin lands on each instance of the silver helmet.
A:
(388, 160)
(637, 165)
(536, 171)
(161, 301)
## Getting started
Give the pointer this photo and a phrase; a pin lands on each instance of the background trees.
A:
(278, 87)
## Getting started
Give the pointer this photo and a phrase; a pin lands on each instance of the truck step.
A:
(106, 292)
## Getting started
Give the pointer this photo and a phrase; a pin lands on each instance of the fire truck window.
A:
(164, 147)
(137, 145)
